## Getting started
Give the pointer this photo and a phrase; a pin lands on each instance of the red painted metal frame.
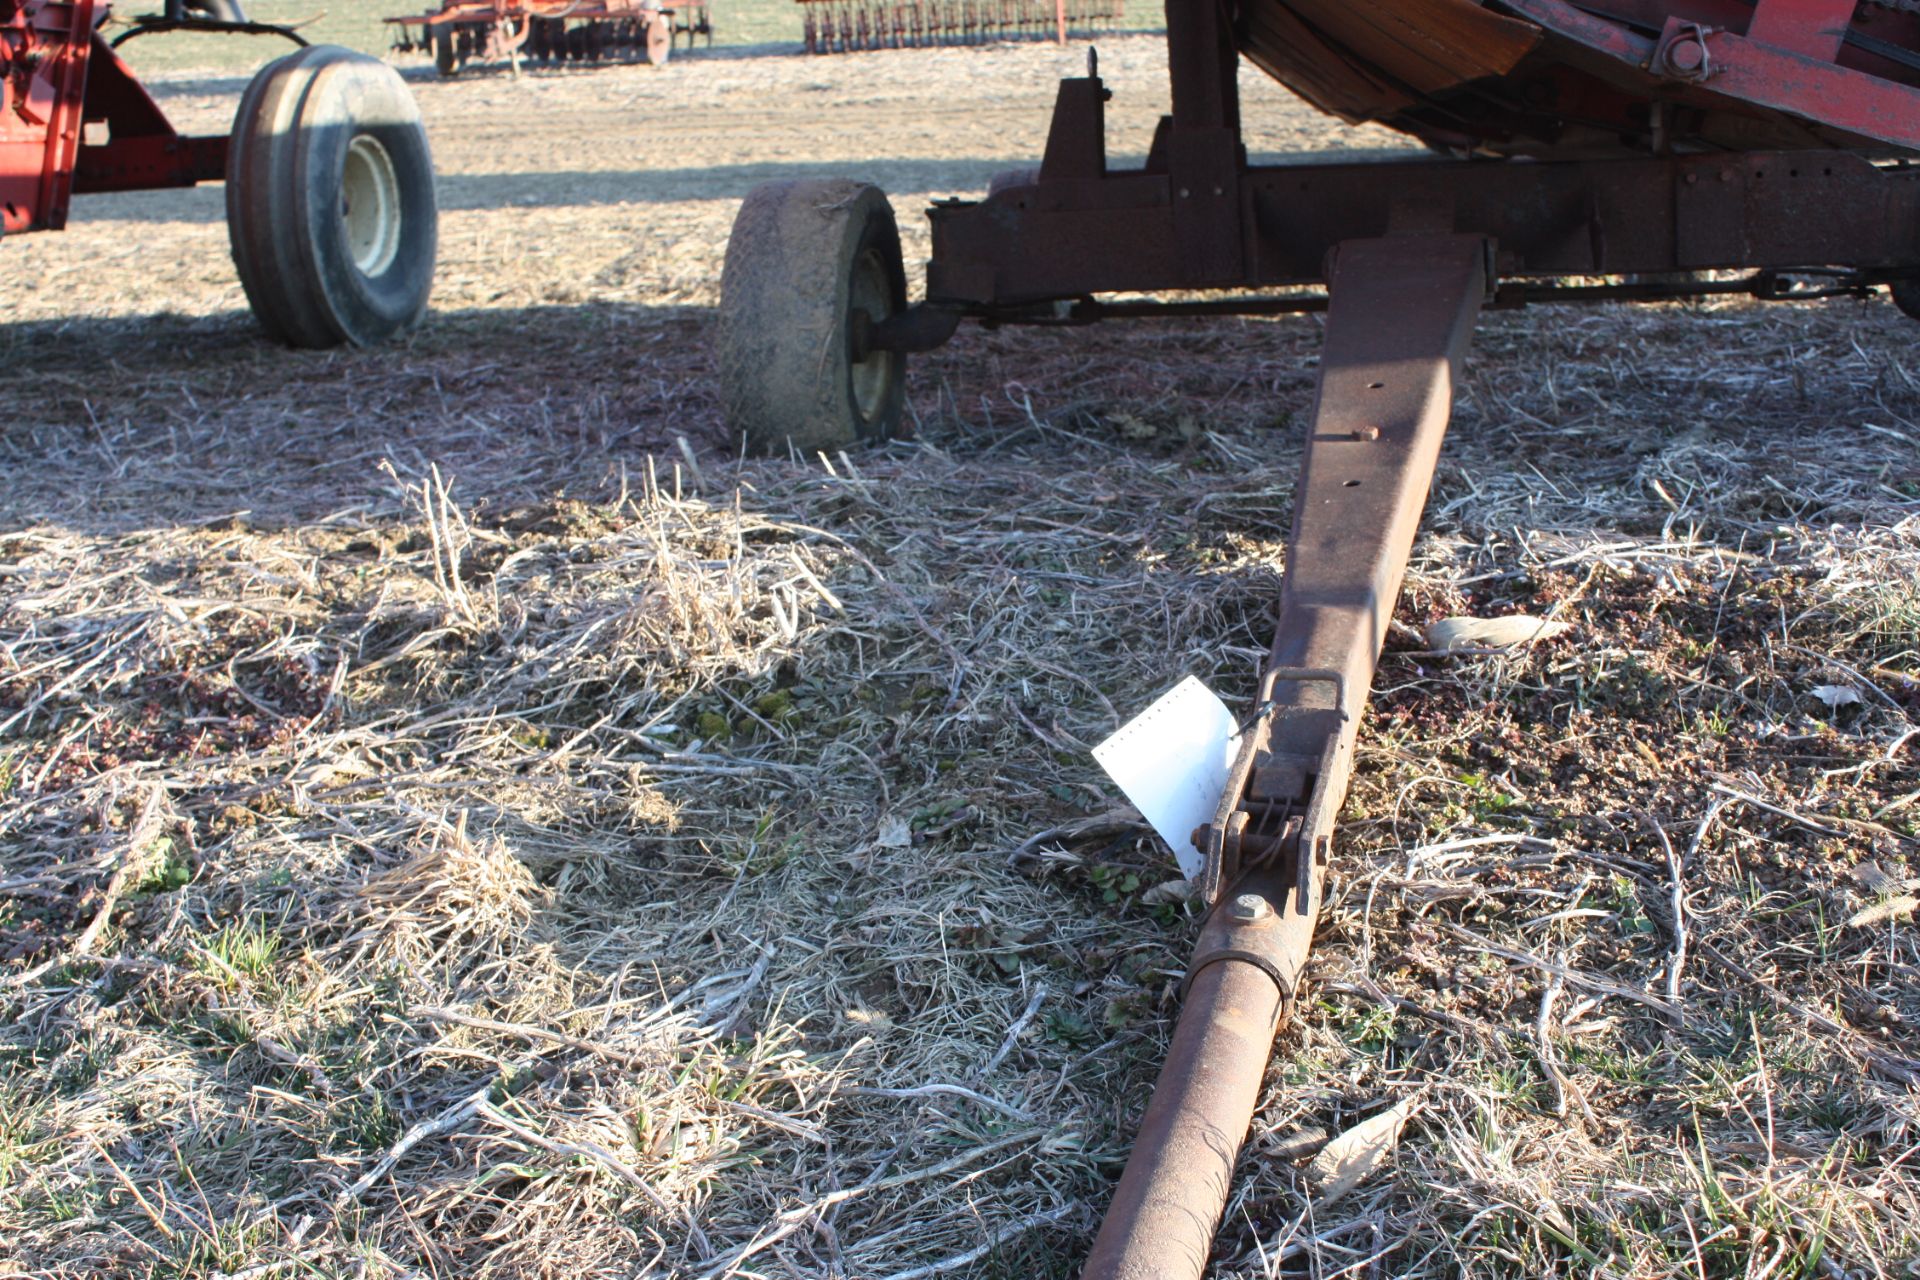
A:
(1755, 71)
(143, 151)
(43, 76)
(1812, 28)
(57, 77)
(1784, 59)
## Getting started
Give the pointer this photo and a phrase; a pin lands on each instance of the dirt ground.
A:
(451, 826)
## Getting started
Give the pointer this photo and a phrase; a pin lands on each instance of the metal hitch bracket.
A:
(1400, 315)
(922, 327)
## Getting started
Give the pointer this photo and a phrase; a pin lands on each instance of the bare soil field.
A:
(459, 819)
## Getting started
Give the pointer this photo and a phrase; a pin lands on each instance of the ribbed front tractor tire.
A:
(803, 257)
(330, 202)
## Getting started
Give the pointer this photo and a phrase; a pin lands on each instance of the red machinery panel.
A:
(43, 80)
(57, 76)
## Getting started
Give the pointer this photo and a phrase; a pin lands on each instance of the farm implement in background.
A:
(330, 201)
(1670, 149)
(843, 26)
(550, 31)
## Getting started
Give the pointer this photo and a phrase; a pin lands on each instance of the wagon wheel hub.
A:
(370, 205)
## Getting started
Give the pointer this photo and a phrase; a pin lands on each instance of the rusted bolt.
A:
(1686, 56)
(1693, 179)
(1366, 433)
(1249, 907)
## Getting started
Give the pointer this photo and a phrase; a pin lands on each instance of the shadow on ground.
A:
(122, 424)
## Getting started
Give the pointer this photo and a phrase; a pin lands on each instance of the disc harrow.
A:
(844, 26)
(550, 32)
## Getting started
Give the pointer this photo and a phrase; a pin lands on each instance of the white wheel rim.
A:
(870, 293)
(370, 205)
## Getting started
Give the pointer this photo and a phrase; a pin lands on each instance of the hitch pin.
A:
(1299, 675)
(1253, 717)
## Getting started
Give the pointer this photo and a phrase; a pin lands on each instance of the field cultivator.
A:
(1612, 151)
(330, 200)
(843, 26)
(550, 31)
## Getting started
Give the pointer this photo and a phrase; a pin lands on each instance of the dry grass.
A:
(501, 849)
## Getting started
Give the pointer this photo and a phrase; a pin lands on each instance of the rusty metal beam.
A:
(1781, 210)
(1203, 151)
(1400, 317)
(1160, 1225)
(1400, 314)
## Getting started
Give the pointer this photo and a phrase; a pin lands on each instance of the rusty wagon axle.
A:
(1644, 144)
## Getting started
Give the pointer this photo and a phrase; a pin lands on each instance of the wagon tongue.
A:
(1400, 316)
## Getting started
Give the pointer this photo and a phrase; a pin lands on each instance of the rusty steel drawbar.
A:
(1386, 391)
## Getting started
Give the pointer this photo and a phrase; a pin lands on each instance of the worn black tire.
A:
(802, 255)
(1906, 296)
(445, 59)
(315, 130)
